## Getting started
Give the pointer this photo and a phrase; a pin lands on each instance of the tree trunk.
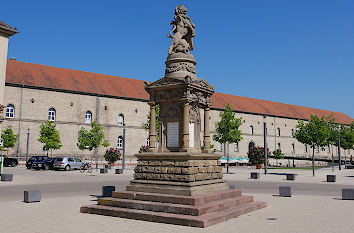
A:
(227, 157)
(313, 161)
(332, 159)
(277, 162)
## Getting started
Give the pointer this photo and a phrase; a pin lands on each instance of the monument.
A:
(177, 182)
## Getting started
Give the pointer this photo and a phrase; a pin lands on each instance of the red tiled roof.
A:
(58, 78)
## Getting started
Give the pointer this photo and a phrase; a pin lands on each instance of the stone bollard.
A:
(331, 178)
(254, 175)
(108, 166)
(107, 191)
(290, 176)
(348, 194)
(7, 177)
(32, 196)
(284, 191)
(119, 171)
(232, 186)
(104, 170)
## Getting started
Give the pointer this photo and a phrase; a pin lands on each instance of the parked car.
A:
(45, 164)
(67, 163)
(10, 162)
(34, 159)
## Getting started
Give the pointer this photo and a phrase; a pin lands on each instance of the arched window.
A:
(250, 145)
(148, 142)
(236, 146)
(305, 148)
(10, 111)
(251, 129)
(278, 132)
(88, 117)
(120, 142)
(278, 146)
(293, 148)
(120, 119)
(51, 114)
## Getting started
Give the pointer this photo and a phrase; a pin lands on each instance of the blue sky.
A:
(296, 52)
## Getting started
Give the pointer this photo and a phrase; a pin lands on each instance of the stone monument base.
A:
(194, 211)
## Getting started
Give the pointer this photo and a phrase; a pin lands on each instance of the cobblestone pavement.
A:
(295, 214)
(318, 211)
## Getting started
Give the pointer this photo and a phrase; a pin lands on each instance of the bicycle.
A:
(86, 166)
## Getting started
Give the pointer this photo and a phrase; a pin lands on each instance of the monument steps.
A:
(195, 211)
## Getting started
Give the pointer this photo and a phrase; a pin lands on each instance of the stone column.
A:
(152, 132)
(206, 131)
(185, 140)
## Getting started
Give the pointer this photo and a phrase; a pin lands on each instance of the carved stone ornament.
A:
(173, 67)
(183, 32)
(194, 114)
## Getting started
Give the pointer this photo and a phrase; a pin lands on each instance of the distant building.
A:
(73, 99)
(5, 32)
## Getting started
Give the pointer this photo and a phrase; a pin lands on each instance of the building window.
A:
(251, 129)
(236, 146)
(323, 149)
(305, 148)
(120, 142)
(278, 132)
(219, 147)
(278, 146)
(293, 148)
(318, 150)
(10, 111)
(120, 120)
(88, 117)
(292, 133)
(51, 114)
(148, 142)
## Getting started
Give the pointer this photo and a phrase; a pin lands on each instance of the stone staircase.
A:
(194, 211)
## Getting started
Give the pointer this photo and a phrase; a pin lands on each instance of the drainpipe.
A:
(19, 125)
(97, 119)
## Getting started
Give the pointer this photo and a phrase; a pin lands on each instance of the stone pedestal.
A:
(179, 173)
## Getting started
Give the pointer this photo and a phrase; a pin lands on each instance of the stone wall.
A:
(70, 117)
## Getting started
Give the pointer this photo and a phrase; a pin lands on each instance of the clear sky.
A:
(297, 52)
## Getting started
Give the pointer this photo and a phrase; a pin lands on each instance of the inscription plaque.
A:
(172, 134)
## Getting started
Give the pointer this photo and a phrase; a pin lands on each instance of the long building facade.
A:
(73, 99)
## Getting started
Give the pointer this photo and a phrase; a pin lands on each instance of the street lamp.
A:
(27, 146)
(265, 145)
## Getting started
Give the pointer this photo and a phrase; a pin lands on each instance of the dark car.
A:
(10, 162)
(45, 164)
(35, 159)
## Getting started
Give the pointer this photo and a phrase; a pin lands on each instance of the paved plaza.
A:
(315, 206)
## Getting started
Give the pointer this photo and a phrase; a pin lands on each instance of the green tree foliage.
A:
(50, 136)
(346, 135)
(8, 137)
(278, 154)
(315, 133)
(146, 125)
(227, 129)
(93, 138)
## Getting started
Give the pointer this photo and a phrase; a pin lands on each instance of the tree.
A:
(50, 136)
(91, 139)
(333, 137)
(278, 154)
(315, 133)
(227, 129)
(346, 135)
(146, 125)
(9, 138)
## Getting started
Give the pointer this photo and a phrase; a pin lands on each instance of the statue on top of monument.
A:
(184, 31)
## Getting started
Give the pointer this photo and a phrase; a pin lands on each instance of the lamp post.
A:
(339, 158)
(265, 145)
(27, 146)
